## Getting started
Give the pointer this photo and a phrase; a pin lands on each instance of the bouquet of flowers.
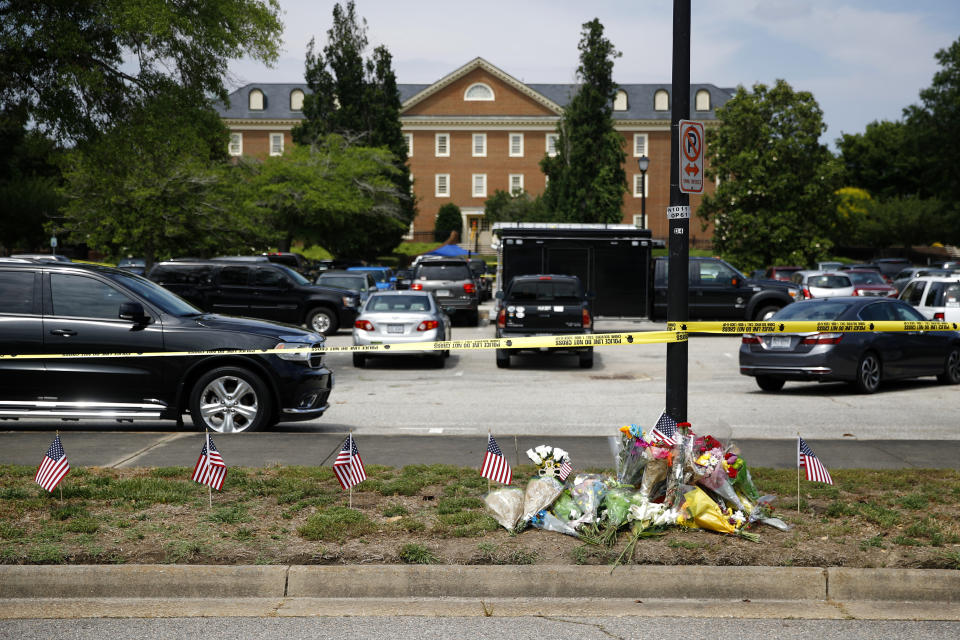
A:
(630, 454)
(701, 511)
(545, 520)
(587, 492)
(540, 494)
(550, 461)
(506, 506)
(656, 469)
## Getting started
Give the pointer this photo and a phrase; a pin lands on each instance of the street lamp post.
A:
(643, 163)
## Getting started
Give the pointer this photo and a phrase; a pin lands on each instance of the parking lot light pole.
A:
(643, 163)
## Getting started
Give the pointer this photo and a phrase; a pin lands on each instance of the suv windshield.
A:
(443, 272)
(158, 296)
(545, 291)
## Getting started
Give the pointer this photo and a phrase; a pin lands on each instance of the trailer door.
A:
(571, 261)
(622, 275)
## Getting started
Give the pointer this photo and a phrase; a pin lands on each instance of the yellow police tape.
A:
(676, 332)
(810, 326)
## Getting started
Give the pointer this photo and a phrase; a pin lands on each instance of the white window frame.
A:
(620, 101)
(482, 139)
(296, 100)
(555, 137)
(638, 221)
(519, 187)
(661, 95)
(273, 138)
(702, 105)
(636, 184)
(644, 139)
(256, 101)
(481, 180)
(445, 152)
(489, 97)
(510, 139)
(441, 185)
(235, 147)
(408, 138)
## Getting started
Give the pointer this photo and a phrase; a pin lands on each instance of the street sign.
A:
(691, 156)
(53, 241)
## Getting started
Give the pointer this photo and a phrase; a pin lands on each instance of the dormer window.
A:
(478, 91)
(255, 100)
(296, 100)
(661, 100)
(620, 101)
(702, 100)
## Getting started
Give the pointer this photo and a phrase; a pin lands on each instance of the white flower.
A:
(738, 519)
(544, 451)
(533, 456)
(560, 455)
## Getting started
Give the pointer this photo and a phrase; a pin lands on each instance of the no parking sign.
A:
(691, 156)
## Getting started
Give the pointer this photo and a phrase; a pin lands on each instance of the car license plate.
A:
(780, 342)
(394, 328)
(443, 292)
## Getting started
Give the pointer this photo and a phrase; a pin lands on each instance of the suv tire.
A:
(586, 359)
(322, 321)
(951, 367)
(230, 400)
(359, 360)
(869, 373)
(503, 359)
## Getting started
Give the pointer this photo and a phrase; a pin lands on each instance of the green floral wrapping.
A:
(616, 506)
(566, 507)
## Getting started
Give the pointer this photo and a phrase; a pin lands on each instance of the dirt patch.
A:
(434, 513)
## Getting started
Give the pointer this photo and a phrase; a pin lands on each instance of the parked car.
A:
(133, 265)
(396, 317)
(936, 297)
(544, 305)
(782, 272)
(60, 308)
(403, 278)
(866, 266)
(891, 266)
(382, 275)
(717, 291)
(45, 257)
(863, 359)
(360, 282)
(829, 266)
(821, 284)
(908, 274)
(451, 281)
(869, 282)
(259, 290)
(302, 265)
(479, 268)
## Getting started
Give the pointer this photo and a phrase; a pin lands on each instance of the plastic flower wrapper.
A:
(587, 491)
(615, 507)
(762, 512)
(701, 511)
(565, 508)
(548, 522)
(630, 454)
(656, 470)
(680, 472)
(651, 514)
(539, 495)
(743, 482)
(505, 505)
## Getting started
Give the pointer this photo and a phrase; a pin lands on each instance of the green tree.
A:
(776, 200)
(138, 189)
(881, 160)
(448, 220)
(358, 100)
(78, 66)
(334, 194)
(586, 176)
(515, 207)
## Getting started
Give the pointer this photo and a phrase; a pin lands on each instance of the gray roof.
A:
(639, 100)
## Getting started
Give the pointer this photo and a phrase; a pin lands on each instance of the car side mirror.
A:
(133, 312)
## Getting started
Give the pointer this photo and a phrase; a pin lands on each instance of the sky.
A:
(863, 60)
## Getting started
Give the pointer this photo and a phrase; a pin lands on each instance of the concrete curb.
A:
(472, 581)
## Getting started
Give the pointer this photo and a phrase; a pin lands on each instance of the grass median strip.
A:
(426, 514)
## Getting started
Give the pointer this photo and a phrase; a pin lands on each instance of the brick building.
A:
(478, 129)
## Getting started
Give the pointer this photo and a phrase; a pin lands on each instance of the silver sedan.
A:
(397, 317)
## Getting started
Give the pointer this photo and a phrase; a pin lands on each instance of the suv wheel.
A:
(586, 359)
(868, 373)
(765, 312)
(322, 321)
(503, 359)
(951, 367)
(769, 383)
(230, 400)
(359, 360)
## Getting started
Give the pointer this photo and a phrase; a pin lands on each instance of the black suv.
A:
(452, 284)
(58, 308)
(717, 291)
(258, 290)
(544, 305)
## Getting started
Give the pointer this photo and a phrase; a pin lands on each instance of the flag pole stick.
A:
(516, 449)
(489, 434)
(59, 486)
(209, 488)
(351, 467)
(798, 473)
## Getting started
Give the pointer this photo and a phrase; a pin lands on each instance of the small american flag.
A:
(53, 467)
(210, 469)
(807, 459)
(495, 465)
(664, 430)
(348, 467)
(565, 469)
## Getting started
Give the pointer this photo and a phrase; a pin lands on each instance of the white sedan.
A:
(397, 317)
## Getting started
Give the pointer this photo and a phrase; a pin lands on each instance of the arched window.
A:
(255, 100)
(478, 91)
(703, 100)
(620, 101)
(661, 100)
(296, 100)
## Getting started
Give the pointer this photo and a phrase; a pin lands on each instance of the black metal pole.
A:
(643, 197)
(678, 244)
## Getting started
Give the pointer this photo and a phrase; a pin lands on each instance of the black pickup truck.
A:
(719, 292)
(544, 305)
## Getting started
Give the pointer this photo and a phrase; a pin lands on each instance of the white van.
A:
(936, 297)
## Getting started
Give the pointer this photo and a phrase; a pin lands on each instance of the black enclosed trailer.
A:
(612, 260)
